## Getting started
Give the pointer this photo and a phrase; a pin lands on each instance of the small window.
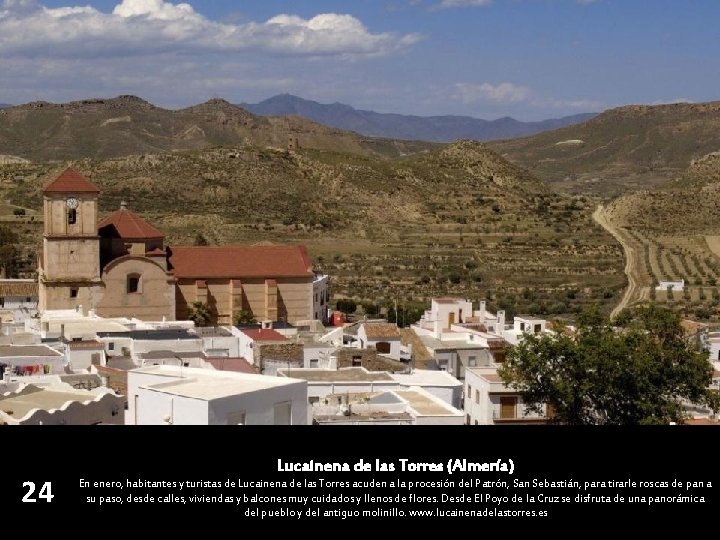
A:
(28, 300)
(477, 396)
(133, 284)
(313, 399)
(2, 302)
(476, 422)
(111, 346)
(74, 292)
(472, 361)
(522, 326)
(469, 392)
(467, 419)
(538, 328)
(72, 216)
(383, 347)
(313, 362)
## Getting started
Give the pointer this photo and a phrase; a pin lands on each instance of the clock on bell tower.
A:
(70, 263)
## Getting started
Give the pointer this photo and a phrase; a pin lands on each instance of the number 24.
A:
(45, 492)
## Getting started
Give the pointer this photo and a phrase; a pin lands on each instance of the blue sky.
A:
(530, 59)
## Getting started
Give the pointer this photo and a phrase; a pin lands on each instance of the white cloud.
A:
(501, 93)
(154, 26)
(509, 93)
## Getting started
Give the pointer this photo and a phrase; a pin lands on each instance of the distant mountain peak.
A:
(397, 126)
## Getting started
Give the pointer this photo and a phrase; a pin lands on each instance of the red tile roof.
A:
(238, 262)
(70, 181)
(267, 334)
(130, 226)
(239, 365)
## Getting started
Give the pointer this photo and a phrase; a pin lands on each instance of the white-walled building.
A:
(18, 299)
(218, 341)
(523, 324)
(409, 406)
(383, 337)
(252, 338)
(458, 338)
(675, 286)
(488, 401)
(438, 383)
(323, 382)
(83, 354)
(165, 395)
(354, 380)
(321, 298)
(31, 359)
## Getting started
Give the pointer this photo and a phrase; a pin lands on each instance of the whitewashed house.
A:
(321, 298)
(675, 286)
(383, 337)
(173, 395)
(250, 339)
(18, 299)
(324, 382)
(488, 401)
(408, 406)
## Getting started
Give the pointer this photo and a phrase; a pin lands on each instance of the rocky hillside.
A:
(459, 220)
(621, 149)
(127, 125)
(687, 205)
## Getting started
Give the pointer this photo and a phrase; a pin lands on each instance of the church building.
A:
(121, 267)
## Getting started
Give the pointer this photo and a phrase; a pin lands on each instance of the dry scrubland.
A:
(460, 220)
(675, 234)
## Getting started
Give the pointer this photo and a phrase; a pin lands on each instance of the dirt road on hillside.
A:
(634, 292)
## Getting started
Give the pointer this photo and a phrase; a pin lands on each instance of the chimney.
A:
(501, 320)
(483, 305)
(123, 205)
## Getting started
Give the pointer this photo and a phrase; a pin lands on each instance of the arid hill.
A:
(627, 148)
(688, 204)
(128, 125)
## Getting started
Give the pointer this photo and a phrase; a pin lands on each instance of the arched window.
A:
(133, 283)
(72, 216)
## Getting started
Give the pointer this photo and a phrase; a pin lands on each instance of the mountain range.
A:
(398, 126)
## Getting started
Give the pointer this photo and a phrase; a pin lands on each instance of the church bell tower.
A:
(69, 269)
